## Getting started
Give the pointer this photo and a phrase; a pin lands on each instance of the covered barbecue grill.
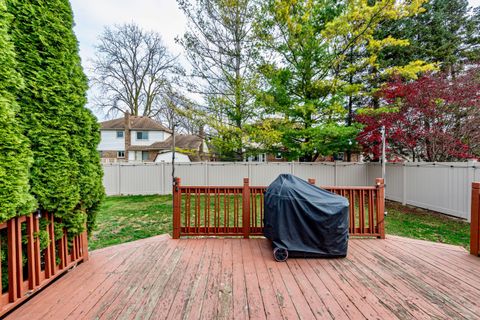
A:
(303, 220)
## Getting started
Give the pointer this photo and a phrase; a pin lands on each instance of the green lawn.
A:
(418, 223)
(128, 218)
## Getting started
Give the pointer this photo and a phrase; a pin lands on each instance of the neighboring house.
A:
(141, 139)
(189, 148)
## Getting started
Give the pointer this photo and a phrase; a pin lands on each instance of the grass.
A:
(423, 224)
(128, 218)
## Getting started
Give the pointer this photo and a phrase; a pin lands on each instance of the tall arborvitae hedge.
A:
(15, 157)
(66, 175)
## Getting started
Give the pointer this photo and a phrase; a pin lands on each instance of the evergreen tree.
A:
(65, 175)
(16, 159)
(445, 33)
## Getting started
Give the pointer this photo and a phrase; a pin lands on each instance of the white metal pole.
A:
(384, 162)
(173, 154)
(384, 158)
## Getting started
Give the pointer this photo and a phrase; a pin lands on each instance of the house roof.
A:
(137, 123)
(182, 141)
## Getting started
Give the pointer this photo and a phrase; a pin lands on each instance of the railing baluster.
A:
(246, 208)
(12, 260)
(361, 209)
(371, 227)
(19, 257)
(51, 231)
(351, 199)
(30, 252)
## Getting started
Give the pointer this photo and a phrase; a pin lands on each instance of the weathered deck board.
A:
(161, 278)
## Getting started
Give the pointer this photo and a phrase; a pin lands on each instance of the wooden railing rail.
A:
(239, 211)
(475, 220)
(29, 268)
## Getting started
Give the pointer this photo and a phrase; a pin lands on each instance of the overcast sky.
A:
(91, 16)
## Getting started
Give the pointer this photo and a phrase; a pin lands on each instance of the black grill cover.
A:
(304, 219)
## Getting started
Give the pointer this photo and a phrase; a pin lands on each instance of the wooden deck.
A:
(161, 278)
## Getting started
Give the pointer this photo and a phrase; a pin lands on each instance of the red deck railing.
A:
(29, 268)
(238, 211)
(475, 220)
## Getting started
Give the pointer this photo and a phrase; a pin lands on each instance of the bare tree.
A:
(132, 68)
(220, 47)
(179, 111)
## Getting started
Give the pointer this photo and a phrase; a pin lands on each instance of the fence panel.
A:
(439, 187)
(442, 187)
(226, 173)
(323, 173)
(262, 174)
(352, 174)
(110, 179)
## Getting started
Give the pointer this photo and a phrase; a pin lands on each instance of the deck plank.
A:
(396, 287)
(270, 303)
(449, 290)
(161, 278)
(256, 309)
(210, 297)
(193, 307)
(239, 290)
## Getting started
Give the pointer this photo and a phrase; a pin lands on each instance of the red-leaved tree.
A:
(435, 118)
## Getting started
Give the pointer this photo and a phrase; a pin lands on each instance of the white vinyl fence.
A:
(443, 187)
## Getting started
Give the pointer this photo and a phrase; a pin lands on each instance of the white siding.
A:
(110, 142)
(153, 136)
(167, 157)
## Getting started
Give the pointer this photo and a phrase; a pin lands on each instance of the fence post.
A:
(176, 208)
(335, 173)
(311, 181)
(475, 220)
(119, 182)
(246, 208)
(380, 207)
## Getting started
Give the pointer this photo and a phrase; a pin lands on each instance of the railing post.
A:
(176, 208)
(475, 220)
(380, 207)
(311, 181)
(84, 245)
(246, 208)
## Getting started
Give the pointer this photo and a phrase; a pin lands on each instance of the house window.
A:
(278, 156)
(120, 154)
(144, 155)
(339, 156)
(119, 134)
(142, 135)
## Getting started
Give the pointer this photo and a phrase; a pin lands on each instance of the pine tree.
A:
(445, 34)
(16, 159)
(65, 174)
